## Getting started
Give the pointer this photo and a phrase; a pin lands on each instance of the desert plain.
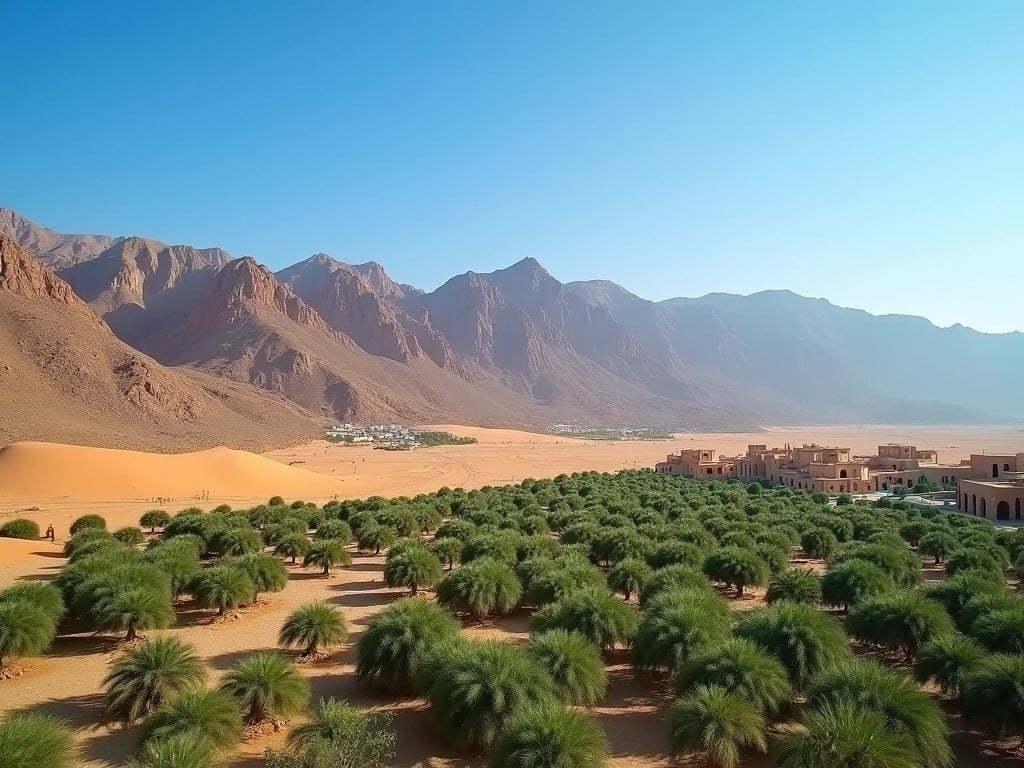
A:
(53, 484)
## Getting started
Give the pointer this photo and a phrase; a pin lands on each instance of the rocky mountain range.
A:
(324, 340)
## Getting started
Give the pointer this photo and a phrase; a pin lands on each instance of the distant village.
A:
(392, 437)
(610, 433)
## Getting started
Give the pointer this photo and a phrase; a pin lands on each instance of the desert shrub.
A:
(202, 715)
(573, 663)
(34, 740)
(483, 587)
(718, 723)
(26, 629)
(183, 751)
(130, 536)
(338, 736)
(398, 639)
(993, 694)
(143, 678)
(947, 661)
(737, 567)
(739, 666)
(596, 614)
(266, 684)
(20, 528)
(1000, 631)
(797, 585)
(550, 735)
(849, 582)
(88, 521)
(901, 621)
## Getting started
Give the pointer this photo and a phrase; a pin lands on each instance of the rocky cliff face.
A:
(51, 248)
(22, 275)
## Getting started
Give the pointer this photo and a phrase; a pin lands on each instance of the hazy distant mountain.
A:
(51, 248)
(518, 347)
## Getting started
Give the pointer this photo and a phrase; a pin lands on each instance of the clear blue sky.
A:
(868, 152)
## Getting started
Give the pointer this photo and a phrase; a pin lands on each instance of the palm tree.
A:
(819, 542)
(134, 609)
(140, 680)
(629, 576)
(448, 550)
(267, 573)
(266, 684)
(985, 604)
(901, 621)
(841, 734)
(956, 591)
(178, 560)
(717, 722)
(182, 751)
(740, 666)
(550, 736)
(398, 638)
(293, 545)
(574, 664)
(26, 629)
(483, 587)
(1001, 631)
(375, 537)
(326, 554)
(223, 587)
(205, 715)
(993, 694)
(801, 637)
(335, 529)
(345, 729)
(678, 624)
(847, 583)
(414, 568)
(32, 740)
(238, 540)
(738, 567)
(904, 706)
(153, 519)
(312, 626)
(480, 686)
(674, 552)
(597, 614)
(938, 544)
(797, 585)
(680, 575)
(40, 594)
(947, 661)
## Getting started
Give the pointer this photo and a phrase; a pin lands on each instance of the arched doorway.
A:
(1003, 510)
(965, 503)
(974, 504)
(995, 470)
(984, 507)
(842, 473)
(1016, 510)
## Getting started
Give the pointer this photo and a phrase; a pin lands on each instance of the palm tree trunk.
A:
(131, 632)
(327, 570)
(311, 649)
(414, 587)
(293, 559)
(739, 590)
(220, 610)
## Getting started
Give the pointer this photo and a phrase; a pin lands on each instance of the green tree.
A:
(34, 740)
(596, 614)
(739, 666)
(267, 573)
(550, 736)
(134, 609)
(955, 592)
(676, 625)
(483, 587)
(628, 576)
(223, 588)
(718, 723)
(841, 734)
(672, 577)
(902, 621)
(947, 661)
(847, 583)
(797, 585)
(1001, 631)
(26, 629)
(805, 640)
(129, 536)
(938, 544)
(237, 540)
(414, 568)
(398, 638)
(204, 715)
(993, 694)
(483, 685)
(448, 551)
(292, 545)
(326, 554)
(313, 626)
(375, 537)
(819, 542)
(573, 663)
(266, 684)
(738, 567)
(141, 679)
(153, 519)
(88, 521)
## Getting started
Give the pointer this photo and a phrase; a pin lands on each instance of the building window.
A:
(965, 503)
(1016, 510)
(974, 504)
(984, 507)
(842, 473)
(1006, 467)
(995, 470)
(709, 470)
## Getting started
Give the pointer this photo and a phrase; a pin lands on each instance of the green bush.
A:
(20, 529)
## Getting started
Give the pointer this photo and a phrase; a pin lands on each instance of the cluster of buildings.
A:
(987, 485)
(386, 435)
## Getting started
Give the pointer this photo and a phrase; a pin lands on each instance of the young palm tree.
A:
(26, 629)
(153, 519)
(335, 529)
(223, 588)
(33, 740)
(178, 560)
(841, 734)
(357, 738)
(326, 554)
(597, 614)
(947, 661)
(740, 666)
(678, 624)
(205, 715)
(414, 568)
(847, 583)
(375, 537)
(985, 604)
(133, 610)
(675, 552)
(938, 544)
(955, 592)
(175, 752)
(819, 542)
(673, 577)
(313, 626)
(41, 594)
(481, 686)
(448, 551)
(1001, 631)
(904, 706)
(398, 638)
(141, 679)
(483, 587)
(629, 576)
(550, 736)
(993, 694)
(902, 621)
(238, 540)
(267, 573)
(718, 723)
(266, 684)
(738, 567)
(573, 662)
(800, 636)
(796, 585)
(292, 545)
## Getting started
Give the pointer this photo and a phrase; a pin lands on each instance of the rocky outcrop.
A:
(22, 275)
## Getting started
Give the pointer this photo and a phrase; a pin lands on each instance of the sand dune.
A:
(53, 471)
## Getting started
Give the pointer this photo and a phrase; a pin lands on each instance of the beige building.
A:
(996, 488)
(897, 465)
(697, 463)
